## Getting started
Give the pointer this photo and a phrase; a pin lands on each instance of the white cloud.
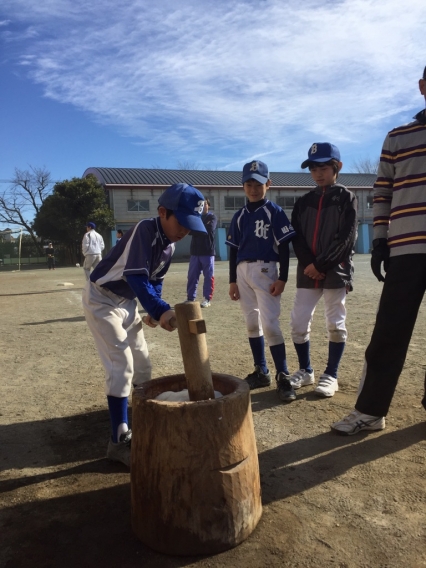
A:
(263, 76)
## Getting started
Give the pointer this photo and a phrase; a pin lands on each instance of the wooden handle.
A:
(192, 337)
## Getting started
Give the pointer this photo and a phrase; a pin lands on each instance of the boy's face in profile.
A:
(324, 174)
(254, 190)
(171, 227)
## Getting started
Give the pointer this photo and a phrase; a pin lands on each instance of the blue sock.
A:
(279, 357)
(117, 414)
(335, 352)
(302, 350)
(257, 345)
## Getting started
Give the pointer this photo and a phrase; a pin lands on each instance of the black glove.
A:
(379, 254)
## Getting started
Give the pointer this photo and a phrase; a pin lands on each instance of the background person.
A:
(119, 235)
(92, 247)
(50, 252)
(203, 252)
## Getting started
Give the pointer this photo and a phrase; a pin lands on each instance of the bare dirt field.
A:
(329, 501)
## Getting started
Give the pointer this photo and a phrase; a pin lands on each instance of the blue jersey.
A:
(257, 234)
(144, 250)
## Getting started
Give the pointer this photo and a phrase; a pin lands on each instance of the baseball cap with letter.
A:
(256, 170)
(187, 204)
(321, 152)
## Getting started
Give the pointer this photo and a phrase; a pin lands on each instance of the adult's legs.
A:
(208, 274)
(403, 291)
(194, 272)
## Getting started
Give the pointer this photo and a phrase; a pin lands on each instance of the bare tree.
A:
(22, 201)
(365, 166)
(188, 165)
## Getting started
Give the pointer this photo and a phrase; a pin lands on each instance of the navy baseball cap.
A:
(256, 170)
(91, 225)
(321, 152)
(187, 204)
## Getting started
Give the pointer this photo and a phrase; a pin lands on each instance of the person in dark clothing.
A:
(325, 222)
(50, 252)
(399, 248)
(203, 251)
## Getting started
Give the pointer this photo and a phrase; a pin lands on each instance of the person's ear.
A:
(339, 166)
(422, 87)
(162, 212)
(268, 184)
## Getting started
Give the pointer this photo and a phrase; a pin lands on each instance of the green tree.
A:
(64, 214)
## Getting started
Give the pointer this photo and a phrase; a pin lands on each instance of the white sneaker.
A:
(356, 421)
(302, 378)
(205, 303)
(327, 386)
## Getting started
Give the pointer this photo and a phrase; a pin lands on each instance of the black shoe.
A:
(285, 389)
(257, 379)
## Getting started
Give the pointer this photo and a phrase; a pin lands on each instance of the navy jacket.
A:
(203, 244)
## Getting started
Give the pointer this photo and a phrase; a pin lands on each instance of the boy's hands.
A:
(234, 293)
(313, 273)
(149, 321)
(277, 287)
(166, 320)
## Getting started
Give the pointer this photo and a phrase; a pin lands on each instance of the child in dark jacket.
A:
(325, 222)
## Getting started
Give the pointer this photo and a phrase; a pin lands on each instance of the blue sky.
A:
(156, 84)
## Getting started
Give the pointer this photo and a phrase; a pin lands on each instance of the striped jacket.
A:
(399, 204)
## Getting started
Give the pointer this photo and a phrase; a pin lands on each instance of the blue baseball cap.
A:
(321, 152)
(187, 204)
(91, 225)
(256, 170)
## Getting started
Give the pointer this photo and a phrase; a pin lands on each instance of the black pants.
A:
(50, 262)
(402, 294)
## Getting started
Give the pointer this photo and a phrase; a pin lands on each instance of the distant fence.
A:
(24, 260)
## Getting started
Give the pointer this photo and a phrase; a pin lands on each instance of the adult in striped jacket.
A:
(399, 231)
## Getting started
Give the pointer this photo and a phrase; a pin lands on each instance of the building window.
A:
(234, 203)
(286, 202)
(139, 205)
(369, 202)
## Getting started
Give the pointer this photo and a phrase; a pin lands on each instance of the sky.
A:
(210, 84)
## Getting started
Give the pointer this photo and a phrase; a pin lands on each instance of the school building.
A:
(133, 193)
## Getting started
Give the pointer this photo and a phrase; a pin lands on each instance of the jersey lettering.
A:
(261, 230)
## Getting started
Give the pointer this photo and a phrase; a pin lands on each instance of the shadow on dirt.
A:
(79, 515)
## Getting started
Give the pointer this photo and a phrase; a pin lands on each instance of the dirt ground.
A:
(329, 501)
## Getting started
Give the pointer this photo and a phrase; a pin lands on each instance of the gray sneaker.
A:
(356, 422)
(302, 378)
(120, 451)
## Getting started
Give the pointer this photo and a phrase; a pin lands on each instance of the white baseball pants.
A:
(306, 301)
(91, 261)
(261, 310)
(117, 330)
